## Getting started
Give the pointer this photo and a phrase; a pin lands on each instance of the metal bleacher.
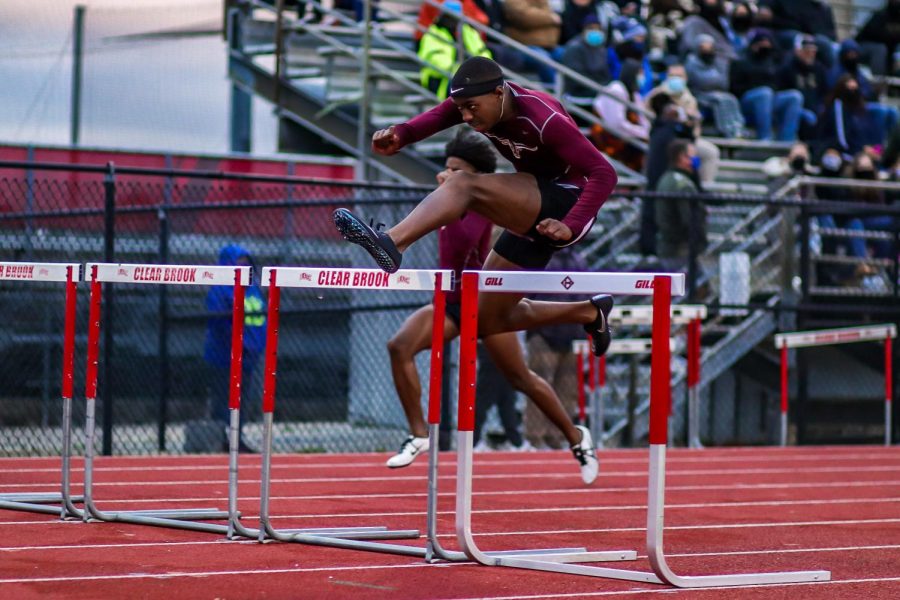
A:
(313, 74)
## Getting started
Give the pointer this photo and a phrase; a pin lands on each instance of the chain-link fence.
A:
(158, 391)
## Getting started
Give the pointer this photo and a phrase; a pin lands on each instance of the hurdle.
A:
(235, 526)
(661, 287)
(829, 337)
(437, 281)
(70, 274)
(690, 315)
(590, 392)
(99, 273)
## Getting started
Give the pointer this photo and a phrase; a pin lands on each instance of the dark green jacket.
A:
(673, 216)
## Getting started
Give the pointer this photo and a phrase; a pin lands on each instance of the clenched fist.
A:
(386, 141)
(555, 230)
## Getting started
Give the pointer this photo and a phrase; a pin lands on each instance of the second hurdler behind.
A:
(551, 201)
(463, 245)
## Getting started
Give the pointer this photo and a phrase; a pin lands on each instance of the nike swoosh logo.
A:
(453, 91)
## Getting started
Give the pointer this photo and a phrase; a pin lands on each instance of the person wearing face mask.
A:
(743, 18)
(843, 124)
(707, 75)
(815, 17)
(675, 87)
(804, 73)
(710, 21)
(674, 218)
(439, 48)
(588, 55)
(879, 38)
(752, 81)
(573, 16)
(619, 120)
(880, 118)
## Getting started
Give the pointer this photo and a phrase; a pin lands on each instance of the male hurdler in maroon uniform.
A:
(551, 201)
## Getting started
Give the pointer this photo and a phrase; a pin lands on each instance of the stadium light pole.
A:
(77, 59)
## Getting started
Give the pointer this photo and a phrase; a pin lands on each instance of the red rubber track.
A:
(727, 511)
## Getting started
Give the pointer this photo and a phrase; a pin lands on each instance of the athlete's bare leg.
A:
(414, 336)
(499, 312)
(510, 200)
(506, 352)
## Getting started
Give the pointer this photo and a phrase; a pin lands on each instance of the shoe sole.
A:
(357, 232)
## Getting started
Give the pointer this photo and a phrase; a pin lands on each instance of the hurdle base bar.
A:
(236, 528)
(349, 538)
(655, 518)
(433, 549)
(175, 518)
(549, 558)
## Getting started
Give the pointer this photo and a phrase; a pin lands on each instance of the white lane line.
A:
(726, 505)
(417, 565)
(671, 590)
(567, 492)
(125, 545)
(689, 527)
(549, 475)
(552, 458)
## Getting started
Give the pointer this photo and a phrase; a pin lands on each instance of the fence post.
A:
(163, 337)
(799, 408)
(693, 250)
(109, 238)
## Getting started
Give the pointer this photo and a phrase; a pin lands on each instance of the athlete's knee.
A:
(463, 184)
(398, 348)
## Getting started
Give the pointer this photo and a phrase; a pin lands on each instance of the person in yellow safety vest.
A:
(439, 48)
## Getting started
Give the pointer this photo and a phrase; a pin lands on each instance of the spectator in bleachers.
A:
(428, 13)
(573, 16)
(710, 21)
(675, 86)
(534, 24)
(752, 81)
(879, 38)
(588, 55)
(438, 48)
(674, 216)
(781, 169)
(790, 17)
(880, 117)
(670, 124)
(707, 74)
(743, 17)
(659, 64)
(804, 73)
(863, 167)
(620, 121)
(844, 122)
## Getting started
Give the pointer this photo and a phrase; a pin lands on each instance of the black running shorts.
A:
(533, 251)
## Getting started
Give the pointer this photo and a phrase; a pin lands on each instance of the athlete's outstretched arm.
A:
(389, 141)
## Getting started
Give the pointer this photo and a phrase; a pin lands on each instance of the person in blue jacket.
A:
(217, 349)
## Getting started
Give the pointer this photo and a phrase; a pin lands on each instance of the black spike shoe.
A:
(375, 242)
(598, 329)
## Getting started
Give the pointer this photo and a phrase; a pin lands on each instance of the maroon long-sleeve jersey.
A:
(542, 140)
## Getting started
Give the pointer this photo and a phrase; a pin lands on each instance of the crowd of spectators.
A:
(697, 69)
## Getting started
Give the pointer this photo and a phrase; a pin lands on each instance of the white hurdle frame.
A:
(98, 274)
(438, 281)
(592, 389)
(690, 315)
(830, 337)
(70, 275)
(661, 286)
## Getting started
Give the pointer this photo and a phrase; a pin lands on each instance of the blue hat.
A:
(633, 30)
(590, 19)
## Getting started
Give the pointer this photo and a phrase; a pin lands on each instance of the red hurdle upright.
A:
(588, 284)
(841, 335)
(70, 274)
